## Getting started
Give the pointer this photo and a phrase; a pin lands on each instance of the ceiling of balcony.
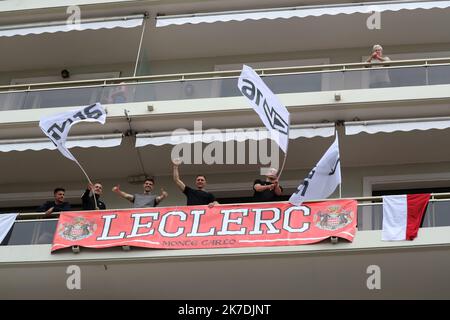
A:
(362, 150)
(295, 34)
(65, 49)
(104, 47)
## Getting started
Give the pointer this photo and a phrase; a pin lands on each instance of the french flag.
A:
(402, 215)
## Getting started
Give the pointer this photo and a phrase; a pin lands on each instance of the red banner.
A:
(224, 226)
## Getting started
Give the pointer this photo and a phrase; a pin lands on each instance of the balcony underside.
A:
(219, 112)
(362, 150)
(224, 39)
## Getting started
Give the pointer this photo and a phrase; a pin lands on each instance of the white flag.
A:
(272, 112)
(6, 222)
(57, 127)
(323, 178)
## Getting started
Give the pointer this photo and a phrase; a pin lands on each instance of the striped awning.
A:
(99, 141)
(299, 12)
(236, 134)
(388, 126)
(64, 26)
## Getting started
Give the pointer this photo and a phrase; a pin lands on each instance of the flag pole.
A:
(282, 166)
(284, 162)
(287, 147)
(340, 184)
(90, 184)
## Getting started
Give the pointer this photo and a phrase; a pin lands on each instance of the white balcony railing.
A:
(31, 228)
(224, 84)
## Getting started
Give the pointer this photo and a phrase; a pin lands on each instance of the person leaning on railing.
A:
(377, 55)
(378, 78)
(57, 205)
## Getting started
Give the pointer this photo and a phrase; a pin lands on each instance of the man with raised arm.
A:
(88, 200)
(197, 196)
(147, 199)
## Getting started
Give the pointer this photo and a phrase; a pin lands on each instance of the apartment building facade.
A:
(159, 67)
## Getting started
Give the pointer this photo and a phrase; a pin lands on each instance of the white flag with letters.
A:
(323, 178)
(6, 222)
(272, 112)
(57, 127)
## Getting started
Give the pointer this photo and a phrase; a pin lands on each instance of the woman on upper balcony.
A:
(377, 55)
(378, 78)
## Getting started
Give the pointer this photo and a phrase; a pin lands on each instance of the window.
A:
(437, 212)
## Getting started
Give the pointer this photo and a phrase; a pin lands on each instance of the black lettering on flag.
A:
(305, 183)
(93, 114)
(276, 121)
(56, 127)
(335, 166)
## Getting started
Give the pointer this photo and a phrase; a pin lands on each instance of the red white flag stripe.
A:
(402, 215)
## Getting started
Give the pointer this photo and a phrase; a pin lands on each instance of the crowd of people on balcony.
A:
(265, 190)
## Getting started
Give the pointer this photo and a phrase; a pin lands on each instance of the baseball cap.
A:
(272, 173)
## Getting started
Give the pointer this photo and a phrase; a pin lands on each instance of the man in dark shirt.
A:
(197, 196)
(268, 190)
(88, 200)
(57, 205)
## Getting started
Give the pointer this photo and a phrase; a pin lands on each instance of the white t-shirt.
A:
(379, 76)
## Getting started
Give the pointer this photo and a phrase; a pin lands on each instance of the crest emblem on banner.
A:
(79, 228)
(333, 218)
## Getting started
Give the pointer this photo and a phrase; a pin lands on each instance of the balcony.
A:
(285, 272)
(28, 230)
(209, 85)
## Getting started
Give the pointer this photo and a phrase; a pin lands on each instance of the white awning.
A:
(387, 126)
(223, 135)
(100, 141)
(299, 12)
(62, 26)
